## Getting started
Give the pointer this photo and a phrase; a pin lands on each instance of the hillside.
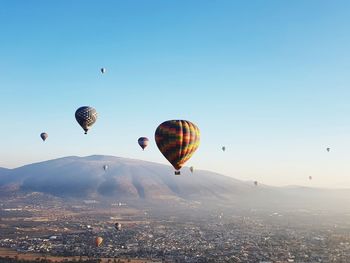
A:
(84, 177)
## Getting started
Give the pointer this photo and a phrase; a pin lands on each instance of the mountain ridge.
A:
(33, 176)
(138, 180)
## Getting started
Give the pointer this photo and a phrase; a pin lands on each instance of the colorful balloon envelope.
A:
(177, 140)
(86, 116)
(98, 241)
(44, 136)
(143, 142)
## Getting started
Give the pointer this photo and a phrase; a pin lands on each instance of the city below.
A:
(59, 230)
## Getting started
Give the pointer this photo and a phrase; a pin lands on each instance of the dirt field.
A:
(4, 252)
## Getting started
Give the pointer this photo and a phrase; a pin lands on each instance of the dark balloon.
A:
(44, 136)
(223, 148)
(86, 116)
(256, 183)
(103, 70)
(177, 140)
(191, 169)
(143, 142)
(105, 167)
(310, 177)
(328, 149)
(118, 226)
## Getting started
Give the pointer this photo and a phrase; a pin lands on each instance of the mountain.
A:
(84, 177)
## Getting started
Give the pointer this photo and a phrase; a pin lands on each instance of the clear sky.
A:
(267, 79)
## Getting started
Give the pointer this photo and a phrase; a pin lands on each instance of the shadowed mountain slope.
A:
(84, 177)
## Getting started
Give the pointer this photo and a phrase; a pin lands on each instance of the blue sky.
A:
(268, 79)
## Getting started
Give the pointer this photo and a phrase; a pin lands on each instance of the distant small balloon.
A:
(191, 169)
(118, 226)
(105, 167)
(310, 177)
(328, 149)
(143, 142)
(103, 70)
(98, 241)
(223, 148)
(256, 183)
(44, 136)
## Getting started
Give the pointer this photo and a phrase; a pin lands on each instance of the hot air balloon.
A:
(328, 149)
(86, 116)
(143, 142)
(98, 241)
(191, 169)
(103, 70)
(223, 148)
(105, 167)
(44, 136)
(177, 140)
(118, 226)
(310, 177)
(256, 183)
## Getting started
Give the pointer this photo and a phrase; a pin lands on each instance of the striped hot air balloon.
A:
(86, 116)
(177, 140)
